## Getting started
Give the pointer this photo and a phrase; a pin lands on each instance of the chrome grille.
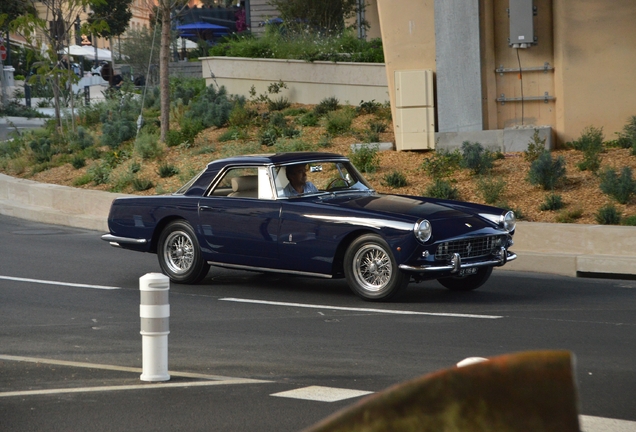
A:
(473, 247)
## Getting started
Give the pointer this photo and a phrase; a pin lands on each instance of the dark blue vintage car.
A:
(312, 214)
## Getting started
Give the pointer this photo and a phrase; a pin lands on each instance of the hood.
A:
(441, 213)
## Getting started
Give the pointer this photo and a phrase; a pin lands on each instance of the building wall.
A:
(584, 60)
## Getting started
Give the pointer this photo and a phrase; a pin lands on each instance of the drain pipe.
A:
(154, 311)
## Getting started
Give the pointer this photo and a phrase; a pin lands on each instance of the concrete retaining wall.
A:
(562, 249)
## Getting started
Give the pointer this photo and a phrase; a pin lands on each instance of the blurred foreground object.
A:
(529, 391)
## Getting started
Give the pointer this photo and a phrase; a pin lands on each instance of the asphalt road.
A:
(70, 348)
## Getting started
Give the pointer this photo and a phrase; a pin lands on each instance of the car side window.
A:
(245, 182)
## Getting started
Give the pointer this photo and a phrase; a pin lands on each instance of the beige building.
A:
(573, 67)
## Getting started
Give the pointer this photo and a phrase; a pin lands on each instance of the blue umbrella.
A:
(202, 26)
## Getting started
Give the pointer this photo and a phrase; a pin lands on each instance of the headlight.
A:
(423, 230)
(509, 221)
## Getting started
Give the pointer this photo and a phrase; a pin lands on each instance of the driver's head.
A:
(296, 174)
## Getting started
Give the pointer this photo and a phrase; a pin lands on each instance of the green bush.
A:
(535, 147)
(173, 138)
(148, 146)
(211, 108)
(546, 171)
(327, 105)
(570, 216)
(278, 104)
(620, 187)
(292, 145)
(99, 173)
(442, 189)
(366, 158)
(369, 107)
(591, 144)
(395, 179)
(629, 220)
(78, 161)
(268, 136)
(627, 138)
(233, 134)
(552, 202)
(240, 116)
(608, 215)
(308, 119)
(339, 122)
(116, 132)
(491, 188)
(476, 158)
(141, 184)
(442, 164)
(167, 170)
(377, 126)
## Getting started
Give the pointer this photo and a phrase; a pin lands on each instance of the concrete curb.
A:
(561, 249)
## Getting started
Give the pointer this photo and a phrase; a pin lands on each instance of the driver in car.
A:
(298, 184)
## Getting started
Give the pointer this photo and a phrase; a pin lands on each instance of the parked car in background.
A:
(238, 213)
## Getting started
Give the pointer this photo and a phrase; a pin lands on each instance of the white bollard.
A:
(154, 311)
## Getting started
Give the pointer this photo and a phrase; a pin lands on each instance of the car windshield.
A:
(318, 177)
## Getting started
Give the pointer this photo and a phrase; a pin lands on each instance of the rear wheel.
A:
(467, 283)
(179, 254)
(371, 270)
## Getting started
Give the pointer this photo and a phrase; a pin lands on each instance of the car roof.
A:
(277, 158)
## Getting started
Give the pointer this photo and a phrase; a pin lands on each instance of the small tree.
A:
(47, 34)
(324, 15)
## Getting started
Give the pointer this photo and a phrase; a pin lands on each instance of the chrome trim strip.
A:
(510, 256)
(126, 240)
(368, 222)
(270, 270)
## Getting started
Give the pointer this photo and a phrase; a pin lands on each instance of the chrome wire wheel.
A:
(178, 252)
(372, 268)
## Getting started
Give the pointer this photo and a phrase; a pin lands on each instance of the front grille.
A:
(473, 247)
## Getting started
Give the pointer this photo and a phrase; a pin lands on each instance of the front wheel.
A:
(467, 283)
(180, 255)
(371, 270)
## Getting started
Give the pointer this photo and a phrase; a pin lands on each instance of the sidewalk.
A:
(561, 249)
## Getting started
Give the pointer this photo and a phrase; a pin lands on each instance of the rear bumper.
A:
(455, 264)
(118, 241)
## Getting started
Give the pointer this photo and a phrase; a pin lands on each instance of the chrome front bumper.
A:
(455, 264)
(117, 241)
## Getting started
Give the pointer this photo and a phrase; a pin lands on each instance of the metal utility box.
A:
(521, 13)
(415, 110)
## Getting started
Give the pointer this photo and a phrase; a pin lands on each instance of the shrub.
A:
(78, 161)
(269, 136)
(308, 119)
(491, 188)
(368, 107)
(591, 144)
(442, 189)
(240, 116)
(292, 145)
(211, 108)
(394, 179)
(339, 122)
(148, 146)
(116, 132)
(141, 184)
(552, 202)
(535, 147)
(569, 216)
(608, 215)
(173, 138)
(366, 158)
(627, 138)
(278, 104)
(622, 187)
(442, 164)
(629, 220)
(232, 134)
(326, 105)
(377, 126)
(546, 171)
(167, 170)
(99, 173)
(476, 158)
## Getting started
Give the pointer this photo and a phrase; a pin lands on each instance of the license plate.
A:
(468, 271)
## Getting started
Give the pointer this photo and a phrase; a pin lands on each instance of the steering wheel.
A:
(334, 181)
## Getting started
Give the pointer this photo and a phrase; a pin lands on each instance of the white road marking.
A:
(322, 394)
(602, 424)
(385, 311)
(209, 379)
(48, 282)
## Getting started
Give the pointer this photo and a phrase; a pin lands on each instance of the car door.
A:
(240, 218)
